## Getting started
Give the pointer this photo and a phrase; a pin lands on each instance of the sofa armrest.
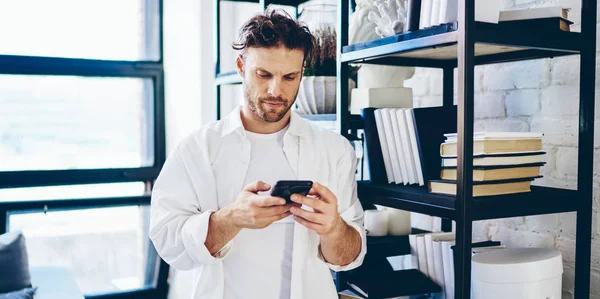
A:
(54, 283)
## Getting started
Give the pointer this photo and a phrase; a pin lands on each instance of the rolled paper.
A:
(376, 222)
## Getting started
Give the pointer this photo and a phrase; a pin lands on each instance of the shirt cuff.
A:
(194, 233)
(358, 260)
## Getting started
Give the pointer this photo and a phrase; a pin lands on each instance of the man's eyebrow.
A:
(293, 73)
(263, 70)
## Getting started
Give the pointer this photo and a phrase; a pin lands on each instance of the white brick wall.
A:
(539, 96)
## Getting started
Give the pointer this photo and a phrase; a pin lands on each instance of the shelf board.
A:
(228, 78)
(541, 200)
(437, 46)
(390, 245)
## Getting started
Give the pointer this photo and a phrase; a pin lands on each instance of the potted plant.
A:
(317, 93)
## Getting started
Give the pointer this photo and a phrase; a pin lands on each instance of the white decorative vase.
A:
(317, 95)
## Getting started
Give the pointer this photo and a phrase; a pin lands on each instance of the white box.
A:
(517, 273)
(384, 97)
(485, 11)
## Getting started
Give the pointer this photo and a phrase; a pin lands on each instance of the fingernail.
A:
(294, 197)
(267, 185)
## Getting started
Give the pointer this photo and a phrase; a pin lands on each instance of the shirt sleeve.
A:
(178, 224)
(352, 211)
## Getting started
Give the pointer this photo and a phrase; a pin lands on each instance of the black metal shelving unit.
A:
(468, 44)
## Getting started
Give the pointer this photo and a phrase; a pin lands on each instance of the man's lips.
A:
(274, 104)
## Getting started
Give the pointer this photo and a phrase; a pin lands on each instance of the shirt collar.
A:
(233, 123)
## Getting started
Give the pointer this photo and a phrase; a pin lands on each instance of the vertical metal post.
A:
(342, 110)
(464, 195)
(586, 149)
(448, 92)
(217, 38)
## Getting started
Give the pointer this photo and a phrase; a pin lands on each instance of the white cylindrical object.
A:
(376, 222)
(517, 273)
(398, 222)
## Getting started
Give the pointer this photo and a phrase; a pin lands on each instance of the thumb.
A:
(257, 186)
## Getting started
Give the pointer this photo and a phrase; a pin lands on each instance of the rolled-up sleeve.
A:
(351, 208)
(178, 222)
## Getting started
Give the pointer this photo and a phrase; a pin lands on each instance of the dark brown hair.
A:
(275, 28)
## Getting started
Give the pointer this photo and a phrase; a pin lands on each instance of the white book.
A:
(422, 255)
(534, 13)
(429, 256)
(448, 260)
(399, 146)
(437, 224)
(425, 19)
(415, 148)
(389, 136)
(453, 137)
(384, 148)
(437, 240)
(435, 13)
(409, 159)
(448, 11)
(412, 240)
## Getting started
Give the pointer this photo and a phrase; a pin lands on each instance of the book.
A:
(435, 13)
(498, 159)
(414, 14)
(487, 188)
(406, 147)
(426, 8)
(486, 146)
(371, 285)
(430, 134)
(496, 172)
(393, 151)
(387, 160)
(414, 146)
(538, 25)
(422, 255)
(377, 170)
(453, 137)
(402, 156)
(534, 13)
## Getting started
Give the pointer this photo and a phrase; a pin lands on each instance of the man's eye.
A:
(264, 75)
(290, 78)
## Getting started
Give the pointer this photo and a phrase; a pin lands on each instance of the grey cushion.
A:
(14, 263)
(26, 293)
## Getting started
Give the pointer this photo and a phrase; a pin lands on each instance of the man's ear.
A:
(239, 63)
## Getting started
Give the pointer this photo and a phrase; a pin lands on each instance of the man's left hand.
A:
(325, 220)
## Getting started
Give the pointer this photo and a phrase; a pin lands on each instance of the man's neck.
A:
(256, 125)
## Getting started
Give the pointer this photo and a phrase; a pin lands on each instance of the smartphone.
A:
(285, 189)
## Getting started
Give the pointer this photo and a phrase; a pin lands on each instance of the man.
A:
(211, 209)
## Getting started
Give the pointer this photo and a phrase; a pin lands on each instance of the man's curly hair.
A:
(275, 28)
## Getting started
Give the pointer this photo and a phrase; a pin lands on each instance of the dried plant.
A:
(324, 59)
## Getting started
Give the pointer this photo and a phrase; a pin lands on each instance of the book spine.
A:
(373, 144)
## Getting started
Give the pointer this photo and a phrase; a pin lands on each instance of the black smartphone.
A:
(285, 189)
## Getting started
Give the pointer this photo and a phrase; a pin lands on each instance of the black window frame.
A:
(156, 276)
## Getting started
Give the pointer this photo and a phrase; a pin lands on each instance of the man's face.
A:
(271, 80)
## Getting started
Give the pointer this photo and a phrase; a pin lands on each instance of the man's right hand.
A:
(250, 210)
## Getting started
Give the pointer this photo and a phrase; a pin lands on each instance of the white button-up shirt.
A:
(206, 172)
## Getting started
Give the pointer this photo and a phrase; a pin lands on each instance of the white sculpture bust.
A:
(362, 30)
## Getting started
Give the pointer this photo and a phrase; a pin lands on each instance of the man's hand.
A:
(325, 220)
(251, 210)
(340, 244)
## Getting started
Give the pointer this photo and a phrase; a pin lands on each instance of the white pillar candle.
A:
(376, 222)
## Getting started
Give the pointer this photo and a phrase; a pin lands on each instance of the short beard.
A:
(254, 106)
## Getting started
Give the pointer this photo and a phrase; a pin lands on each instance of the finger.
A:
(312, 202)
(308, 215)
(274, 218)
(324, 192)
(275, 210)
(257, 186)
(310, 225)
(267, 201)
(313, 192)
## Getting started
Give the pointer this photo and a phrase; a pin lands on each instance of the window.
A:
(82, 138)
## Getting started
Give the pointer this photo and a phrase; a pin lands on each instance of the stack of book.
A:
(403, 144)
(433, 253)
(503, 163)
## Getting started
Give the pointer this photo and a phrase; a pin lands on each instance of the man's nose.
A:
(275, 88)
